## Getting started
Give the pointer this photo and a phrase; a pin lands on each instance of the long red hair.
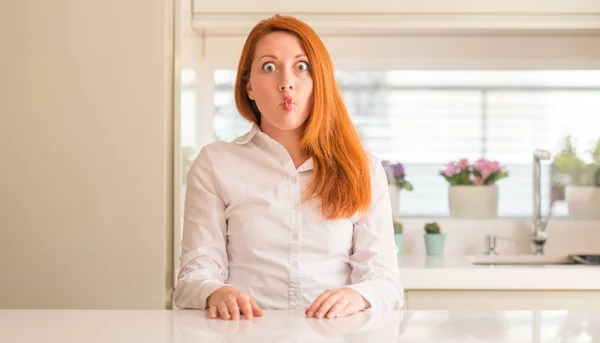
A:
(341, 178)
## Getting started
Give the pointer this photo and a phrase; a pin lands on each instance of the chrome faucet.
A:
(538, 230)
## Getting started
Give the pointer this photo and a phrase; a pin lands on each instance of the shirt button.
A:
(294, 264)
(296, 207)
(293, 180)
(295, 235)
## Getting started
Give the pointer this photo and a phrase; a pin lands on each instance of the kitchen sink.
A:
(521, 259)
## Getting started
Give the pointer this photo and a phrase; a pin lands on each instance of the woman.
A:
(294, 214)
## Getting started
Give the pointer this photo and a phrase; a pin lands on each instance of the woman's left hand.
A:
(337, 303)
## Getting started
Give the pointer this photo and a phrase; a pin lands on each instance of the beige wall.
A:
(86, 153)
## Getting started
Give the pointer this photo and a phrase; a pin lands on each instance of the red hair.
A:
(341, 177)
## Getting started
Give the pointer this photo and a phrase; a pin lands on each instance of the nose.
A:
(286, 86)
(286, 83)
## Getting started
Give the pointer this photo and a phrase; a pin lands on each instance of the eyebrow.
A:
(275, 57)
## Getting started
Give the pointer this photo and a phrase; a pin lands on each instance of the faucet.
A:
(538, 230)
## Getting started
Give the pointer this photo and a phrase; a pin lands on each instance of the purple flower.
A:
(398, 170)
(396, 175)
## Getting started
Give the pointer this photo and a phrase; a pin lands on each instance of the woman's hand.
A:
(337, 303)
(227, 302)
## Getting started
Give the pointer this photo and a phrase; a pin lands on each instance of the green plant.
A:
(398, 227)
(596, 157)
(569, 169)
(432, 228)
(596, 152)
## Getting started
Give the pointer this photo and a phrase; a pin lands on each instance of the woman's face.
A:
(281, 82)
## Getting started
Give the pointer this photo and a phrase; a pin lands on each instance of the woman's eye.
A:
(268, 67)
(302, 66)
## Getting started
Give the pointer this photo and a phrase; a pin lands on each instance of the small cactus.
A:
(397, 227)
(432, 228)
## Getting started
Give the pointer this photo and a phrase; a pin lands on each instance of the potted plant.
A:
(398, 236)
(434, 239)
(397, 181)
(472, 191)
(576, 181)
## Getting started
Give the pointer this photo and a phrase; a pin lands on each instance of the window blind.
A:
(426, 119)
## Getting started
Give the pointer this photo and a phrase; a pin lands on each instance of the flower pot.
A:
(399, 239)
(473, 201)
(395, 199)
(583, 201)
(434, 243)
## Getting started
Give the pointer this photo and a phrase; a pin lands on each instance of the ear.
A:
(249, 91)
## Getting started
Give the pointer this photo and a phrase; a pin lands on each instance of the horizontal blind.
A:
(425, 119)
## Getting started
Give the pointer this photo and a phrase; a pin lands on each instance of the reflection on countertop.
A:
(458, 272)
(150, 326)
(418, 261)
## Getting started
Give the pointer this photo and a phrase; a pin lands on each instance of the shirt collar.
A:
(247, 137)
(308, 165)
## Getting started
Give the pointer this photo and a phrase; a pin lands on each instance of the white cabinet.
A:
(404, 14)
(513, 7)
(501, 300)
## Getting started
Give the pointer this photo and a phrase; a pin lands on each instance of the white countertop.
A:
(129, 326)
(421, 272)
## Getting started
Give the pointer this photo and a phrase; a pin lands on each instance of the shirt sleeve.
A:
(203, 260)
(374, 260)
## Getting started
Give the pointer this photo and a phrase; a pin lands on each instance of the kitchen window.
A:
(427, 99)
(426, 118)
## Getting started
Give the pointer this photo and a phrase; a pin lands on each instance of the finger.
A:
(224, 311)
(212, 311)
(234, 310)
(348, 310)
(327, 305)
(310, 311)
(255, 308)
(337, 308)
(245, 307)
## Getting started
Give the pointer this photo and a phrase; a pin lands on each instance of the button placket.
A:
(294, 243)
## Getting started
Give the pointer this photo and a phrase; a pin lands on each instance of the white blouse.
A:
(245, 226)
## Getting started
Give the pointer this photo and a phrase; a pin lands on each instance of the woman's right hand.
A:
(227, 303)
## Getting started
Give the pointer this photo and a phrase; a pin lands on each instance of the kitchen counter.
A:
(421, 272)
(148, 326)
